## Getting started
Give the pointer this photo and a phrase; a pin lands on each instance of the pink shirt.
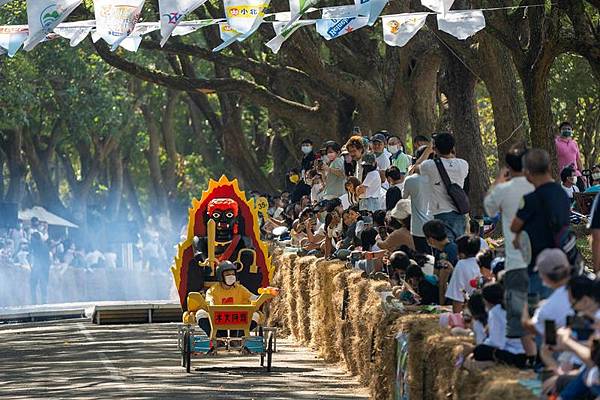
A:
(567, 153)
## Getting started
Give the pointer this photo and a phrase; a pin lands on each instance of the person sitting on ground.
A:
(465, 270)
(484, 260)
(227, 292)
(569, 182)
(351, 197)
(396, 182)
(333, 233)
(478, 316)
(398, 263)
(399, 221)
(497, 347)
(444, 251)
(426, 286)
(349, 238)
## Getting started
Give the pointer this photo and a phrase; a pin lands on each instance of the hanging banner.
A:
(399, 29)
(334, 28)
(12, 37)
(339, 12)
(133, 41)
(187, 27)
(172, 13)
(116, 19)
(439, 6)
(370, 8)
(297, 9)
(242, 15)
(75, 31)
(45, 15)
(281, 35)
(461, 24)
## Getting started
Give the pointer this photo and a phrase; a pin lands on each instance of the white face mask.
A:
(596, 176)
(393, 149)
(306, 149)
(230, 280)
(574, 180)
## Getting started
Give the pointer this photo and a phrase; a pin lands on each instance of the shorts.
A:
(516, 283)
(369, 204)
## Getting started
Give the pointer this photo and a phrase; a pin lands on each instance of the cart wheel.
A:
(269, 353)
(262, 355)
(188, 352)
(182, 348)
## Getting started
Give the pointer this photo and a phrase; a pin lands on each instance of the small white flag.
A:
(461, 24)
(439, 6)
(45, 15)
(334, 28)
(116, 19)
(12, 37)
(172, 13)
(282, 35)
(133, 41)
(75, 31)
(370, 8)
(399, 29)
(242, 15)
(187, 27)
(338, 12)
(297, 9)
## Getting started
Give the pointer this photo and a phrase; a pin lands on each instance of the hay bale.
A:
(276, 315)
(302, 283)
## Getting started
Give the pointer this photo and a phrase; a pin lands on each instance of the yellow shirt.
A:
(238, 294)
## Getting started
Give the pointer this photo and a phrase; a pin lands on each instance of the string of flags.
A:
(117, 22)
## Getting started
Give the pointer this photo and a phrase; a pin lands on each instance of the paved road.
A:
(78, 360)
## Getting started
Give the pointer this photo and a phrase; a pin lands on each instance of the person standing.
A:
(369, 190)
(395, 181)
(541, 215)
(308, 156)
(382, 156)
(334, 169)
(40, 268)
(398, 158)
(594, 226)
(505, 197)
(441, 205)
(416, 188)
(567, 152)
(569, 180)
(356, 150)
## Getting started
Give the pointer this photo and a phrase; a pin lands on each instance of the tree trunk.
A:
(159, 202)
(17, 168)
(459, 87)
(423, 84)
(168, 131)
(132, 197)
(116, 186)
(499, 76)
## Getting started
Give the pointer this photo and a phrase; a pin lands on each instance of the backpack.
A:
(457, 194)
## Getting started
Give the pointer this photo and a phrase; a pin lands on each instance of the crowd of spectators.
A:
(528, 298)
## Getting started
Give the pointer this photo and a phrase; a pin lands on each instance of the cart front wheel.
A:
(187, 351)
(270, 352)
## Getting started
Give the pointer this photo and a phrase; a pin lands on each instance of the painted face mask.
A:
(306, 149)
(230, 280)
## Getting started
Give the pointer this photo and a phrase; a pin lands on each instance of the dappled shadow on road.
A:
(78, 360)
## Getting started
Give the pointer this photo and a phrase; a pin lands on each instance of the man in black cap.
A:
(382, 155)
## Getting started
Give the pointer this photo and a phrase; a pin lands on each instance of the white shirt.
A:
(570, 191)
(556, 307)
(506, 199)
(464, 271)
(373, 183)
(383, 160)
(478, 332)
(457, 170)
(497, 332)
(417, 188)
(345, 202)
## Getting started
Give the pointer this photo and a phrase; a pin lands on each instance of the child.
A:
(466, 269)
(479, 316)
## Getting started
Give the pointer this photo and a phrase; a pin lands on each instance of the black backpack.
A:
(457, 194)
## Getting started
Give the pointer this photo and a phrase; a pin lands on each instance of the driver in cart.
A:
(228, 291)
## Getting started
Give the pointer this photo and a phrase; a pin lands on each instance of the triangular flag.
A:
(116, 19)
(133, 41)
(172, 13)
(334, 28)
(243, 14)
(45, 15)
(461, 24)
(297, 9)
(75, 31)
(187, 27)
(370, 8)
(439, 6)
(12, 37)
(399, 29)
(338, 12)
(282, 35)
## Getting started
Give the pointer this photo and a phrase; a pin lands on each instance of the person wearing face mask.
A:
(398, 157)
(334, 170)
(308, 155)
(382, 155)
(316, 186)
(567, 151)
(569, 182)
(227, 291)
(595, 180)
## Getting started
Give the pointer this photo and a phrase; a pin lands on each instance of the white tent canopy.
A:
(44, 215)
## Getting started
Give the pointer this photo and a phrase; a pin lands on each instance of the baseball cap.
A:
(368, 159)
(552, 261)
(378, 137)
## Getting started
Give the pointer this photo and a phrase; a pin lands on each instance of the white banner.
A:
(297, 9)
(133, 41)
(12, 37)
(172, 13)
(75, 31)
(334, 28)
(399, 29)
(370, 8)
(116, 19)
(187, 27)
(242, 15)
(45, 15)
(338, 12)
(282, 35)
(461, 24)
(439, 6)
